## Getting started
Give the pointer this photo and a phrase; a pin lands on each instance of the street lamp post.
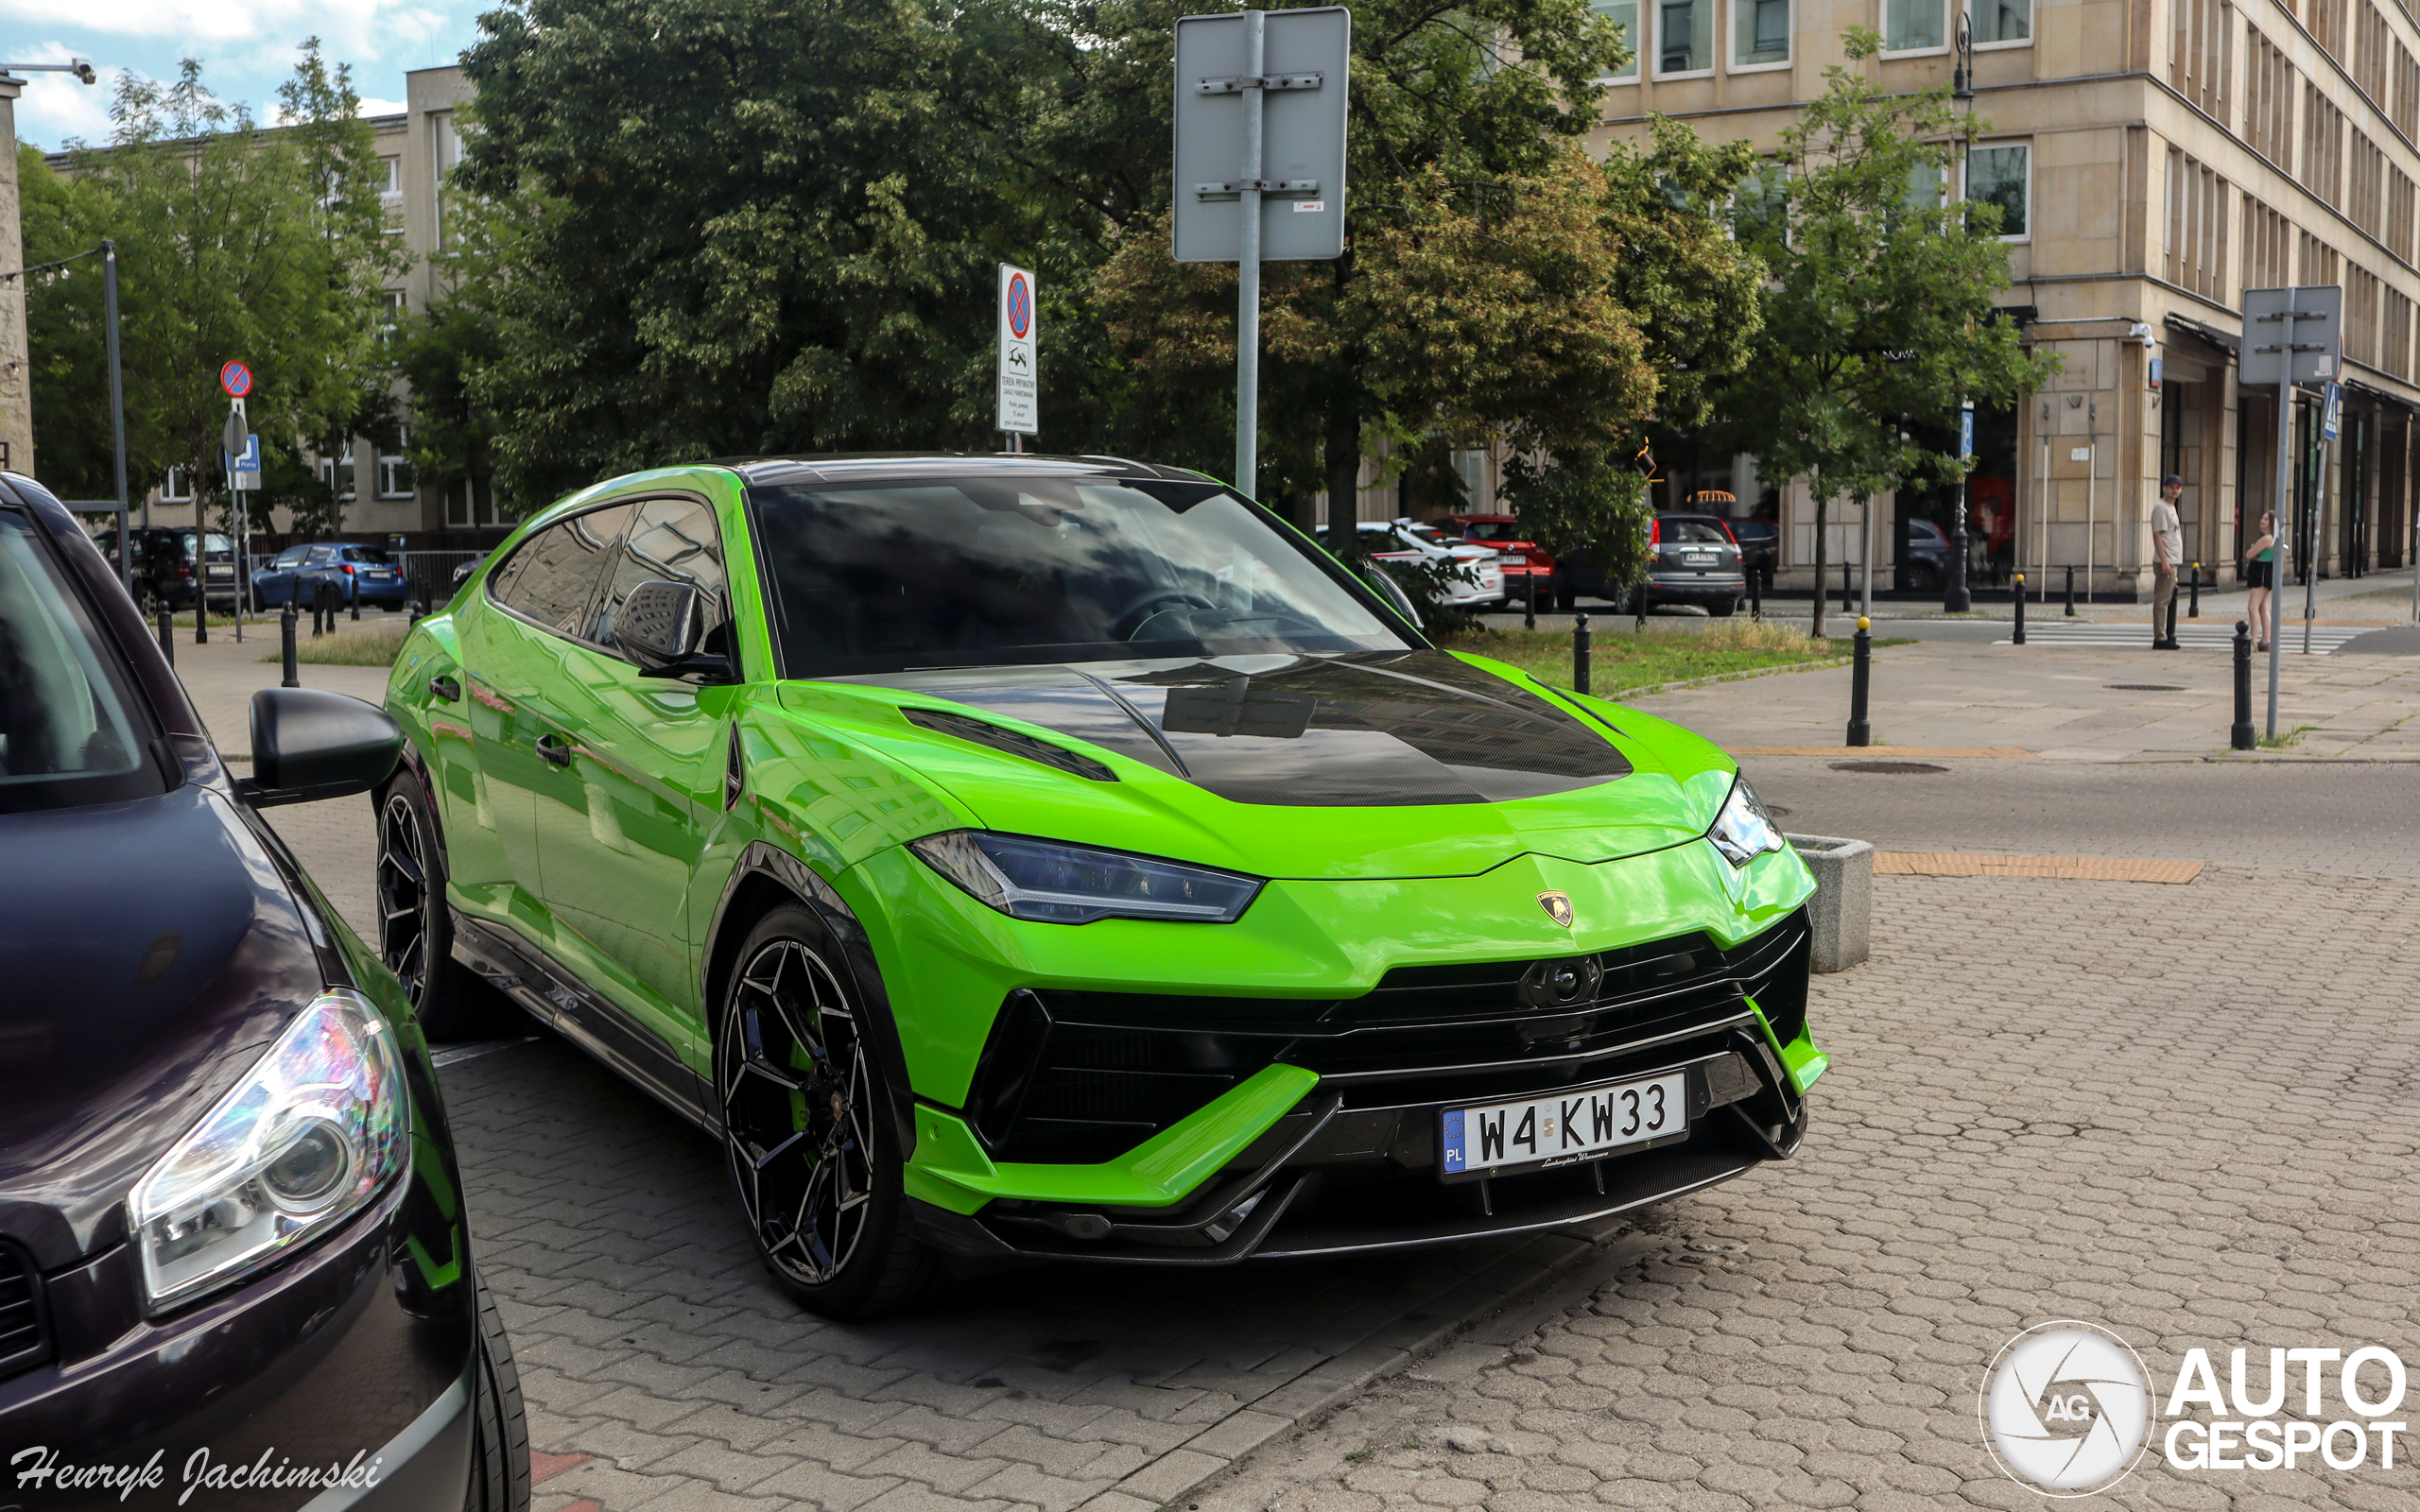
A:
(1955, 599)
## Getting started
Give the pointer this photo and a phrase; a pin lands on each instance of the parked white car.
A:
(1482, 582)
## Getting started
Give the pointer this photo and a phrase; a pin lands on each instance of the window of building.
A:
(1999, 175)
(336, 474)
(2197, 227)
(1684, 36)
(2362, 293)
(1914, 26)
(2200, 51)
(2267, 247)
(2399, 205)
(1927, 186)
(2372, 45)
(2001, 23)
(394, 467)
(2365, 186)
(470, 503)
(2323, 163)
(2269, 102)
(390, 317)
(445, 150)
(2407, 94)
(1759, 33)
(390, 192)
(177, 486)
(1624, 15)
(2394, 341)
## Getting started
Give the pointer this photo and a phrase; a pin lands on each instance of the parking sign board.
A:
(1020, 396)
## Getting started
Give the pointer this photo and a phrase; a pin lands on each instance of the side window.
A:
(671, 540)
(319, 557)
(551, 578)
(288, 557)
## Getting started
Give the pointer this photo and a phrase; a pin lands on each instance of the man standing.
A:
(2168, 549)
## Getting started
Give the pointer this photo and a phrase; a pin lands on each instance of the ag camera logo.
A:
(2066, 1408)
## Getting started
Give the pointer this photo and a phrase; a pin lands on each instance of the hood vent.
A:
(1056, 757)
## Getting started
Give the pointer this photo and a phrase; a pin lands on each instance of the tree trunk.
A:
(1823, 498)
(1343, 455)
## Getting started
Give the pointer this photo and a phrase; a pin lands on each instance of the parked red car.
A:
(1523, 558)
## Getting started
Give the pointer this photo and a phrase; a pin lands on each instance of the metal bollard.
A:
(2169, 640)
(1529, 602)
(1755, 594)
(168, 635)
(2071, 593)
(285, 623)
(1861, 678)
(2020, 609)
(356, 602)
(2239, 737)
(2193, 609)
(1848, 590)
(202, 618)
(1579, 653)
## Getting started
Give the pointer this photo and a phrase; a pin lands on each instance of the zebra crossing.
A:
(2208, 635)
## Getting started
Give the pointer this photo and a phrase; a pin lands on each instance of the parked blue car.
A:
(364, 575)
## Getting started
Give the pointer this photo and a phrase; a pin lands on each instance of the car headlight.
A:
(295, 1148)
(1058, 884)
(1743, 830)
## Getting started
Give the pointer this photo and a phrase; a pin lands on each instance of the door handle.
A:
(554, 751)
(446, 688)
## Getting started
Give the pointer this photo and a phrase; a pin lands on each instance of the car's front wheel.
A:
(500, 1446)
(810, 1128)
(416, 931)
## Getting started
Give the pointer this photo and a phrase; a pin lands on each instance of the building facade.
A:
(2153, 159)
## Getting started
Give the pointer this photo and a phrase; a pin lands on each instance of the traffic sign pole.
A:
(1247, 266)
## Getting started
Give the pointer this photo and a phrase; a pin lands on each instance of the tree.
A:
(1879, 310)
(783, 241)
(234, 241)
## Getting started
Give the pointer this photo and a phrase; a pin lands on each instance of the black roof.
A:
(865, 466)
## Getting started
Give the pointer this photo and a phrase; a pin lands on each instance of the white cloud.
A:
(370, 107)
(351, 28)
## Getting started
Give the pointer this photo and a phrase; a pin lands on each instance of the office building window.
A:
(177, 486)
(1624, 15)
(390, 317)
(1684, 36)
(1927, 183)
(2197, 227)
(1759, 32)
(471, 503)
(2201, 49)
(1913, 25)
(394, 467)
(1996, 175)
(2006, 20)
(336, 474)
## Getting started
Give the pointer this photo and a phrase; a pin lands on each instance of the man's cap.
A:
(2176, 478)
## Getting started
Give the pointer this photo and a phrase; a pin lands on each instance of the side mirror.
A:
(309, 745)
(662, 627)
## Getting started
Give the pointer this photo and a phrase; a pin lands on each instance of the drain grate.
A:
(2144, 687)
(1889, 768)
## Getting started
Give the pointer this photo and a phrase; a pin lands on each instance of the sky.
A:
(247, 47)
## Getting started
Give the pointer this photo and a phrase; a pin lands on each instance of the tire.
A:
(1723, 608)
(499, 1426)
(1563, 600)
(823, 1193)
(416, 929)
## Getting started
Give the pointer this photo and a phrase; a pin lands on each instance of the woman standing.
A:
(2261, 575)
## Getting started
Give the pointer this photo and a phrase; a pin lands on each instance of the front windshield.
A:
(70, 732)
(1020, 570)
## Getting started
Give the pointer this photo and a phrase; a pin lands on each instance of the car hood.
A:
(150, 946)
(1395, 765)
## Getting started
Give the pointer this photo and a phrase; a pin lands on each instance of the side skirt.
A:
(531, 977)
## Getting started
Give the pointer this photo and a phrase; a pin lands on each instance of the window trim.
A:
(2032, 9)
(1715, 52)
(1731, 36)
(1948, 20)
(1965, 159)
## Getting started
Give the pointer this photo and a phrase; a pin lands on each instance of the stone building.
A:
(2154, 159)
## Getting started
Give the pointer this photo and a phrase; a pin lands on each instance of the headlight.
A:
(1060, 883)
(1743, 830)
(291, 1151)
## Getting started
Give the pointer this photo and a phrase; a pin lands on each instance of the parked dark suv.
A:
(171, 566)
(1693, 559)
(232, 1231)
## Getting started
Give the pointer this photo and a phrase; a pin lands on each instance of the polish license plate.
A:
(1501, 1138)
(1697, 559)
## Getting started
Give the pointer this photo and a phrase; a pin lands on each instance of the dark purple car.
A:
(232, 1250)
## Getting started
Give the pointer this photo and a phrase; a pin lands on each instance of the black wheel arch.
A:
(766, 878)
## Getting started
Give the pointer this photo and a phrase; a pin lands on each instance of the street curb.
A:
(1498, 1315)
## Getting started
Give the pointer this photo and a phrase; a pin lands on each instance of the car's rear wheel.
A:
(1723, 608)
(500, 1427)
(809, 1126)
(415, 930)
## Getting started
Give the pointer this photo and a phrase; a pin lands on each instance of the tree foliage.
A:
(1880, 305)
(234, 241)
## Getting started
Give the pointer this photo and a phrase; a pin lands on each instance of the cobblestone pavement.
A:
(2127, 1105)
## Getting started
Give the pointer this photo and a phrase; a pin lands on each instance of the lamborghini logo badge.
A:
(1557, 906)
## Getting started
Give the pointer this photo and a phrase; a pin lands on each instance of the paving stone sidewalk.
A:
(2192, 1122)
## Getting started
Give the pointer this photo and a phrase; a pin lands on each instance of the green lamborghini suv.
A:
(1064, 857)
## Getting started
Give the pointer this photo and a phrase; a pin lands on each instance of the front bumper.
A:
(1330, 1144)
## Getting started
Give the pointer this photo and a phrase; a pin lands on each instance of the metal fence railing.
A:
(431, 574)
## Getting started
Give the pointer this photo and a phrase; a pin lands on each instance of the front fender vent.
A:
(983, 733)
(25, 1333)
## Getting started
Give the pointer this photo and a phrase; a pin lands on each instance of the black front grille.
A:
(24, 1338)
(1084, 1077)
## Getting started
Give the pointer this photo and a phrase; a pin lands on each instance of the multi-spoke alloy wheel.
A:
(806, 1124)
(403, 895)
